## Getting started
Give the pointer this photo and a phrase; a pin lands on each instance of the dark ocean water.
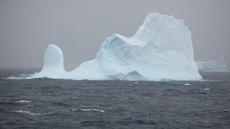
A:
(62, 104)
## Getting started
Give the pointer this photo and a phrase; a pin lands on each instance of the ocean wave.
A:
(91, 110)
(27, 112)
(21, 76)
(23, 101)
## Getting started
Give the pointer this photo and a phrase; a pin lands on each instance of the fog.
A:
(79, 27)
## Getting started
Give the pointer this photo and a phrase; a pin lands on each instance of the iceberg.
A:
(53, 64)
(160, 50)
(217, 65)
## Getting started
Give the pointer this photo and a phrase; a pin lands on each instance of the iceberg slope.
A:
(161, 49)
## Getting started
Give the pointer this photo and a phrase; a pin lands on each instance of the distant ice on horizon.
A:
(217, 65)
(160, 50)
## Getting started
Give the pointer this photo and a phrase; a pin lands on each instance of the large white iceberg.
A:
(217, 65)
(160, 50)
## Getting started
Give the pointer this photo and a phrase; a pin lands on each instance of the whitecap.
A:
(135, 82)
(186, 84)
(27, 112)
(206, 89)
(92, 110)
(21, 76)
(22, 101)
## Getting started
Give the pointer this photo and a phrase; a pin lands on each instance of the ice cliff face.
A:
(160, 50)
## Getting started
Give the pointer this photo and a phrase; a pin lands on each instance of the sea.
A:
(83, 104)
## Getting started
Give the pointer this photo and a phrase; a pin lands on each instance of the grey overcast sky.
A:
(79, 27)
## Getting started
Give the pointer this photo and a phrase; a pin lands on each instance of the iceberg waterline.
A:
(161, 49)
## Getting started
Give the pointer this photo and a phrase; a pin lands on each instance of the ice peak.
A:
(53, 64)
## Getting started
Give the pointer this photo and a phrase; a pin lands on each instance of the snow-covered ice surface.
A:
(217, 65)
(160, 50)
